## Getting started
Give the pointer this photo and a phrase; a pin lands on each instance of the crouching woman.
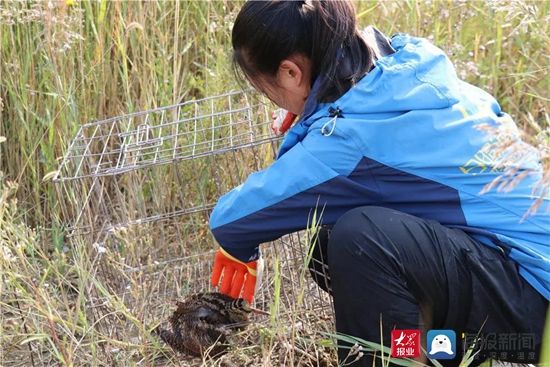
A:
(387, 145)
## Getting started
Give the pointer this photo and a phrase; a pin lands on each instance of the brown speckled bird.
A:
(203, 321)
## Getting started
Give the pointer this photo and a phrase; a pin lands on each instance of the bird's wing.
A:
(208, 315)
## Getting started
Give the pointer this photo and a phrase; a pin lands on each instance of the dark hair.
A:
(266, 32)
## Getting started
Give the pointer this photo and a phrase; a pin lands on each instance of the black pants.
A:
(413, 273)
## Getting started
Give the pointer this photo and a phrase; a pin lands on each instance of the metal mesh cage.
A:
(147, 147)
(188, 130)
(137, 191)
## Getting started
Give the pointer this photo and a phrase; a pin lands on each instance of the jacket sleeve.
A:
(284, 197)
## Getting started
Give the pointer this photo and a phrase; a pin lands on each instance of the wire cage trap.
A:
(137, 191)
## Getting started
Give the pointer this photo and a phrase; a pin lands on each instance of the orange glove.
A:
(282, 121)
(237, 276)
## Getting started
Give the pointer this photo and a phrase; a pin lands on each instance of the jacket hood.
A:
(417, 76)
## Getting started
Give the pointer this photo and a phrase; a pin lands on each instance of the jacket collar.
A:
(298, 132)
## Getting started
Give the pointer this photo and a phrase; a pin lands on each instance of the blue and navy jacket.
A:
(409, 136)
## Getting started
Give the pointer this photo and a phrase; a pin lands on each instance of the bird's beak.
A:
(258, 311)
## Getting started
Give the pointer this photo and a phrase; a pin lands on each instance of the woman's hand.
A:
(237, 276)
